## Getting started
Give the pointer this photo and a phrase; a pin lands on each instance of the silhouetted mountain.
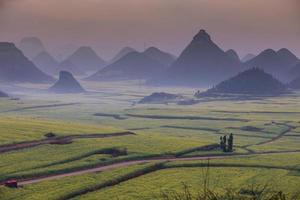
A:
(31, 47)
(162, 57)
(160, 97)
(233, 54)
(248, 57)
(2, 94)
(86, 59)
(266, 59)
(66, 84)
(15, 67)
(121, 53)
(277, 63)
(45, 62)
(250, 82)
(287, 56)
(201, 63)
(134, 65)
(65, 51)
(67, 65)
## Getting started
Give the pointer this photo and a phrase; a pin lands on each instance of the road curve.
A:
(58, 140)
(113, 166)
(129, 163)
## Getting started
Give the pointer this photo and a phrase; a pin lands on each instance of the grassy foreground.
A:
(260, 126)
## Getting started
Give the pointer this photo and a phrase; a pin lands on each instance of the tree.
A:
(230, 143)
(222, 145)
(224, 142)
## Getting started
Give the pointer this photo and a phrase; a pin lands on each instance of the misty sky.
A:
(248, 26)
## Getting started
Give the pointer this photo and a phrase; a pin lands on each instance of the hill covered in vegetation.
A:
(160, 97)
(254, 81)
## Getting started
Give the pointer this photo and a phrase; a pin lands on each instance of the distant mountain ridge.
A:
(15, 67)
(278, 63)
(123, 52)
(136, 65)
(201, 63)
(287, 56)
(233, 54)
(31, 46)
(66, 84)
(69, 66)
(86, 59)
(160, 56)
(253, 81)
(45, 62)
(248, 57)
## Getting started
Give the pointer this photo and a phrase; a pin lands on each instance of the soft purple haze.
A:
(108, 25)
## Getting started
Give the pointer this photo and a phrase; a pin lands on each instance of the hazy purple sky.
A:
(108, 25)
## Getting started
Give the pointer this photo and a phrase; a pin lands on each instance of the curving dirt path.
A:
(58, 140)
(279, 136)
(61, 140)
(129, 163)
(113, 166)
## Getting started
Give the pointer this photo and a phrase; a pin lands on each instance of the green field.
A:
(267, 137)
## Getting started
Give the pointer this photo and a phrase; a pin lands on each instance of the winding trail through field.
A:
(58, 140)
(114, 166)
(279, 136)
(134, 162)
(66, 139)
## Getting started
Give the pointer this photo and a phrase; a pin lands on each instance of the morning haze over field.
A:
(149, 100)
